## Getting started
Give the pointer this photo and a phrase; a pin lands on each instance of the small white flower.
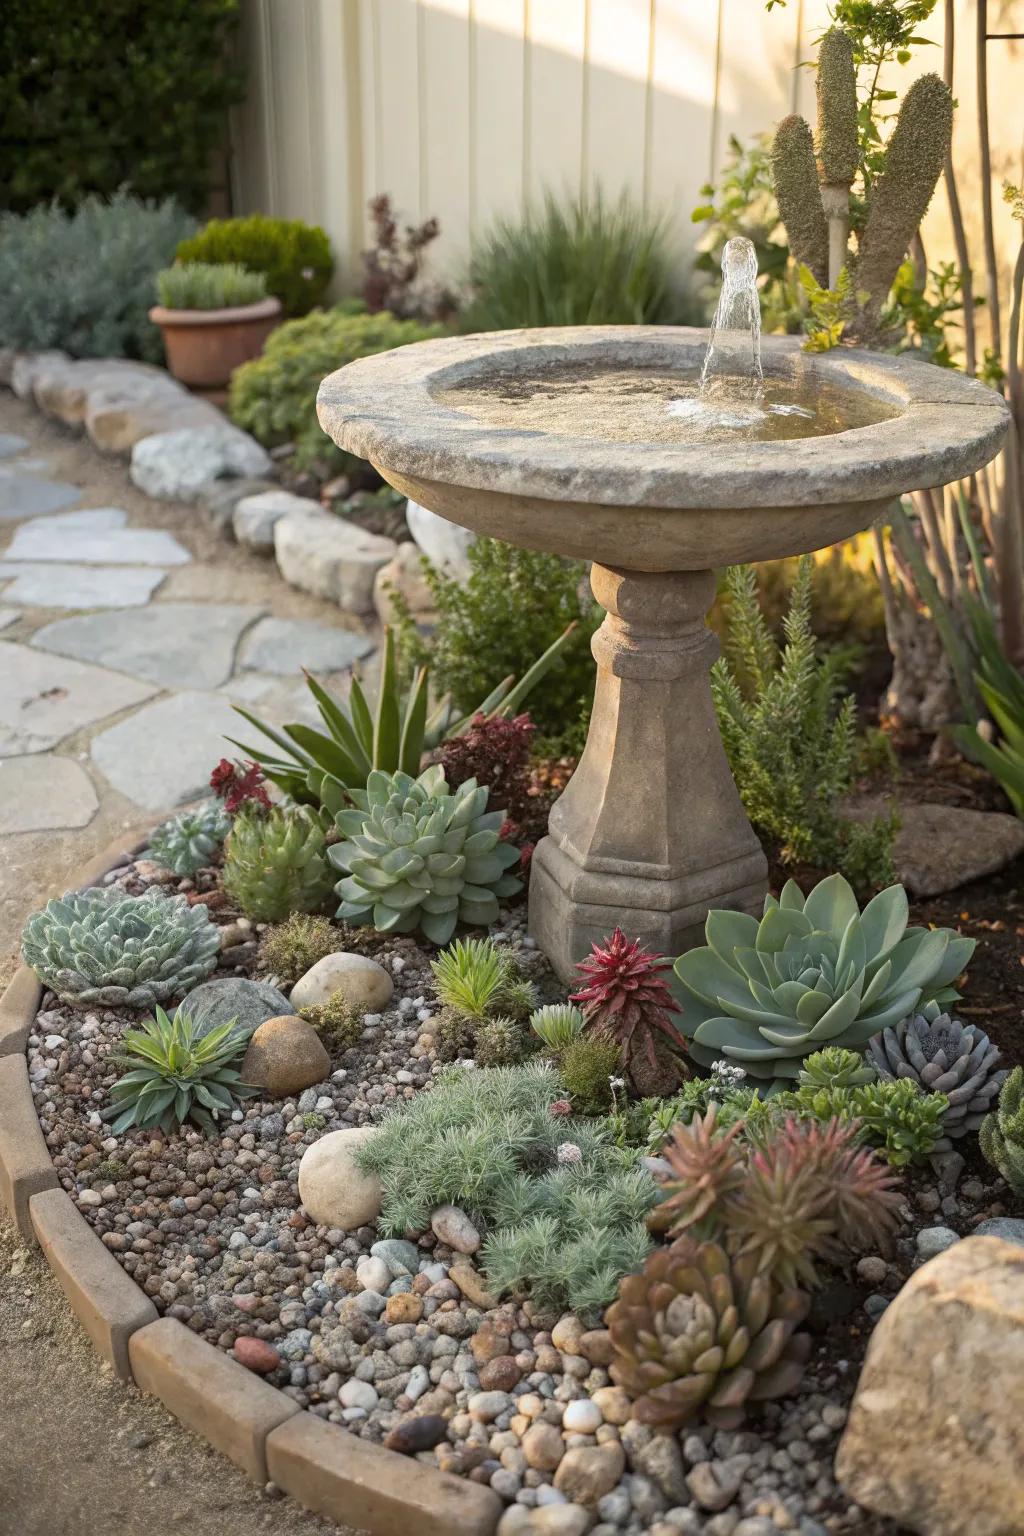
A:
(616, 1082)
(569, 1152)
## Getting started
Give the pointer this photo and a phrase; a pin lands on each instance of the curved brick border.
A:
(257, 1426)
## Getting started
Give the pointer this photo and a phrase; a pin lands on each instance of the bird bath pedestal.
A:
(564, 440)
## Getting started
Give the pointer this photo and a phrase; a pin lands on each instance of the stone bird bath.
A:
(565, 440)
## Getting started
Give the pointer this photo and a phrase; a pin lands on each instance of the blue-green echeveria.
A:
(814, 971)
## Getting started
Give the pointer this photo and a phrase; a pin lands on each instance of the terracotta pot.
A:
(205, 346)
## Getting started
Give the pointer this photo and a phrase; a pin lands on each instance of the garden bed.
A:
(411, 1351)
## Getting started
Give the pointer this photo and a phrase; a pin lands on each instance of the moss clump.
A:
(112, 1171)
(334, 1021)
(289, 949)
(587, 1066)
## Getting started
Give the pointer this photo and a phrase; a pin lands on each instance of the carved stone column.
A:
(650, 831)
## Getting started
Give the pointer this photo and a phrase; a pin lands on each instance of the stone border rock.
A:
(254, 1424)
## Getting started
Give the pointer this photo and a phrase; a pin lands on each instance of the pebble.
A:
(256, 1355)
(581, 1417)
(419, 1434)
(935, 1240)
(1009, 1228)
(358, 1394)
(454, 1228)
(543, 1446)
(872, 1270)
(586, 1473)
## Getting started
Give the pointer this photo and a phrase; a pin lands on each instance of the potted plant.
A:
(213, 318)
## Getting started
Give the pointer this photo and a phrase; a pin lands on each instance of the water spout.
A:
(732, 362)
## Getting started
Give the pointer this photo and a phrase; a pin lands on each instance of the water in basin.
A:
(728, 398)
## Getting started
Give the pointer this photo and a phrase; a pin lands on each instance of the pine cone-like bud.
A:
(697, 1334)
(838, 150)
(795, 174)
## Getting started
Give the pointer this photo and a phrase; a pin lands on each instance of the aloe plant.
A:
(320, 767)
(814, 971)
(179, 1071)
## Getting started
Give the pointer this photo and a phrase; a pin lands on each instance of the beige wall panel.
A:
(755, 72)
(445, 126)
(681, 107)
(497, 69)
(616, 99)
(398, 152)
(554, 95)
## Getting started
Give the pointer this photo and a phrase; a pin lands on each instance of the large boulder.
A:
(233, 997)
(174, 466)
(256, 517)
(333, 1189)
(285, 1055)
(939, 847)
(27, 367)
(445, 544)
(366, 986)
(120, 413)
(935, 1437)
(331, 558)
(64, 389)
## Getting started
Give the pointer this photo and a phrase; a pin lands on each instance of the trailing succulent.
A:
(699, 1333)
(179, 1072)
(625, 999)
(190, 841)
(274, 863)
(814, 971)
(101, 946)
(418, 857)
(1002, 1132)
(943, 1056)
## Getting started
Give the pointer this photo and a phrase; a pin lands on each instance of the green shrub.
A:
(202, 286)
(492, 624)
(274, 396)
(294, 257)
(84, 281)
(178, 1072)
(562, 1209)
(124, 94)
(586, 262)
(791, 736)
(289, 949)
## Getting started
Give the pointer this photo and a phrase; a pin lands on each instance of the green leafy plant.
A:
(289, 949)
(57, 291)
(1002, 1132)
(201, 285)
(274, 396)
(491, 622)
(274, 863)
(790, 735)
(897, 1118)
(584, 262)
(589, 1065)
(813, 971)
(700, 1334)
(942, 1056)
(484, 999)
(179, 1072)
(101, 946)
(471, 976)
(418, 857)
(557, 1025)
(336, 1022)
(1001, 686)
(321, 767)
(625, 999)
(294, 258)
(565, 1228)
(191, 840)
(835, 1068)
(805, 1193)
(122, 95)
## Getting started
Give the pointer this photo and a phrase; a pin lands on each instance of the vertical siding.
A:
(464, 109)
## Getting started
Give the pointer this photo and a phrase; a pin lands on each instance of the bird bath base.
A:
(650, 830)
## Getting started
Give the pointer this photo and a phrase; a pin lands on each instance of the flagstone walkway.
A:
(128, 629)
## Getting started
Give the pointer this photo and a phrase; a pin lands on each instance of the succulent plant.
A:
(587, 1067)
(814, 971)
(1002, 1132)
(238, 784)
(274, 863)
(499, 1042)
(189, 842)
(418, 857)
(179, 1072)
(835, 1068)
(802, 1192)
(700, 1334)
(557, 1024)
(625, 999)
(941, 1055)
(320, 767)
(470, 976)
(101, 946)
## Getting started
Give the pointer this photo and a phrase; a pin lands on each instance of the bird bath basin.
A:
(583, 441)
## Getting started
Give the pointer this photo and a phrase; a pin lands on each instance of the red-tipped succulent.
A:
(238, 784)
(626, 999)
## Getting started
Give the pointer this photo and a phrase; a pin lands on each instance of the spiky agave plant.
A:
(625, 999)
(178, 1073)
(699, 1333)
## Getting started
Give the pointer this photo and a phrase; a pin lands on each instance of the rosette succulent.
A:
(814, 971)
(189, 842)
(698, 1334)
(101, 946)
(416, 856)
(941, 1055)
(1002, 1132)
(274, 863)
(178, 1071)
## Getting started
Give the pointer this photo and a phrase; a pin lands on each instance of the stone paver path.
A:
(130, 628)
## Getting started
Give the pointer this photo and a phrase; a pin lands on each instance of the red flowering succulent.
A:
(626, 1000)
(239, 784)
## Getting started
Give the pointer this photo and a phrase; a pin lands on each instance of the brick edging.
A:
(254, 1424)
